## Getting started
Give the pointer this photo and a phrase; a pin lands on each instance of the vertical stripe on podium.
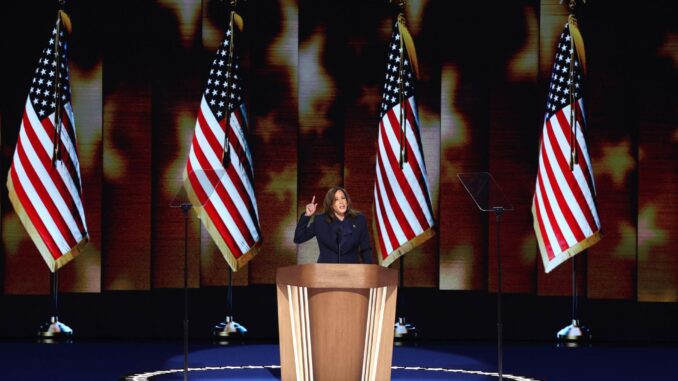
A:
(368, 335)
(381, 297)
(306, 333)
(375, 321)
(299, 321)
(293, 324)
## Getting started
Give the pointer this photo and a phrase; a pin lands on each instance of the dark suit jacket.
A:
(339, 241)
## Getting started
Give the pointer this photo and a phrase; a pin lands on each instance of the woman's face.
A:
(340, 203)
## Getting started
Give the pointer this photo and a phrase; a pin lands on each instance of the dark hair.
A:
(329, 200)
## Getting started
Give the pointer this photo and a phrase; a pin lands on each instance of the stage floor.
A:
(164, 360)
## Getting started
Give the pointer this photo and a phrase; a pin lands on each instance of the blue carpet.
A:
(98, 361)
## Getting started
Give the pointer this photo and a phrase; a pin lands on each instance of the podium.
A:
(335, 321)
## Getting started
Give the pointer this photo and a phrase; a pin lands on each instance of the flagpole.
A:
(57, 89)
(226, 154)
(573, 333)
(228, 328)
(54, 329)
(402, 328)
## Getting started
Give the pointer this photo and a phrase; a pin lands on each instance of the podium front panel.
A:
(336, 333)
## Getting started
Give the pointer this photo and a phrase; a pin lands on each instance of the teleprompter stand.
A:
(487, 195)
(196, 190)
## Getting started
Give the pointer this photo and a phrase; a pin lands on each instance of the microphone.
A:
(338, 234)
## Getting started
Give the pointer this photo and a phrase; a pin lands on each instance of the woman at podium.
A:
(340, 230)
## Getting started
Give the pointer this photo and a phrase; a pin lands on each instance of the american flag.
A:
(219, 174)
(403, 213)
(564, 207)
(44, 178)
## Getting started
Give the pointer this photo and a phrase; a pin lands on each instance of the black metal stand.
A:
(228, 328)
(499, 211)
(402, 328)
(53, 330)
(574, 334)
(488, 196)
(185, 207)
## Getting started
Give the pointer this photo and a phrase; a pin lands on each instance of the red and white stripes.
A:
(565, 215)
(224, 196)
(47, 195)
(402, 201)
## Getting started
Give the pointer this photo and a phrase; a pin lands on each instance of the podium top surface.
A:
(337, 275)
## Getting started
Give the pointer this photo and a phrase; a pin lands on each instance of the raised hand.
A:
(310, 208)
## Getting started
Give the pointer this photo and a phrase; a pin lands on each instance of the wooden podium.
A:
(336, 321)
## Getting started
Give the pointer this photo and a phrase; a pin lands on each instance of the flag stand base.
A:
(574, 334)
(228, 328)
(402, 329)
(54, 330)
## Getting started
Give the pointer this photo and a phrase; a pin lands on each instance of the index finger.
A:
(312, 201)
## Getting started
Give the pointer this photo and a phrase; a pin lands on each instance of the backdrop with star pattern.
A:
(313, 73)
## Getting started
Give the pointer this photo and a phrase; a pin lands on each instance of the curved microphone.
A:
(338, 233)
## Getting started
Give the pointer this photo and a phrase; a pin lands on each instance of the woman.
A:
(341, 231)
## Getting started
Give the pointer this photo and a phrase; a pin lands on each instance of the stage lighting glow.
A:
(317, 88)
(149, 375)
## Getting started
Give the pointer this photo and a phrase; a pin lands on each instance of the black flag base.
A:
(228, 329)
(54, 330)
(574, 335)
(404, 330)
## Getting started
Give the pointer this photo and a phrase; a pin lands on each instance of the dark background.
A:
(314, 70)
